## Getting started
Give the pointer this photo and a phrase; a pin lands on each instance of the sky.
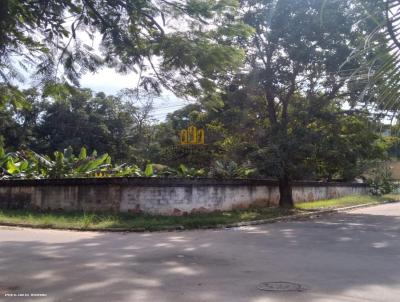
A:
(109, 81)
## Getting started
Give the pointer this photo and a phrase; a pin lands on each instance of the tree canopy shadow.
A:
(342, 255)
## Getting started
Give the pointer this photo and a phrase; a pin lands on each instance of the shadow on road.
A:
(341, 255)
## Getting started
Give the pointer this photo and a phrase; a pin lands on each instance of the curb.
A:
(287, 218)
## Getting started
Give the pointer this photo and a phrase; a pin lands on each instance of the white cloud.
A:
(109, 81)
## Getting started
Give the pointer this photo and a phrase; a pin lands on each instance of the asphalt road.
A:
(352, 256)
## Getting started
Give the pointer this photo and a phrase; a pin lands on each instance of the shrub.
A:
(380, 181)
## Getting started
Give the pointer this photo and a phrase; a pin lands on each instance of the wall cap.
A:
(168, 182)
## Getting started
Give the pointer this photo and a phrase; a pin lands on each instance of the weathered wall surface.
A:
(309, 192)
(159, 196)
(195, 198)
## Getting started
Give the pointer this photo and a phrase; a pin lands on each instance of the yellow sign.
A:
(192, 136)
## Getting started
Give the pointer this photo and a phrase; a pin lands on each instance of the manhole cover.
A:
(281, 286)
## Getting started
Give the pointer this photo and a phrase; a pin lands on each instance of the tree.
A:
(75, 118)
(332, 143)
(180, 45)
(168, 149)
(299, 50)
(327, 142)
(17, 123)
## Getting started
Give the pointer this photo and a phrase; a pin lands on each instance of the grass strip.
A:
(99, 221)
(347, 201)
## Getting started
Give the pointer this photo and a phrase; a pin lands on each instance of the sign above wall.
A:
(192, 136)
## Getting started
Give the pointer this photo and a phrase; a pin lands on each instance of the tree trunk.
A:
(285, 191)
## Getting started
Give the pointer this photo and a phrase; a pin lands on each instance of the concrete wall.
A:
(159, 195)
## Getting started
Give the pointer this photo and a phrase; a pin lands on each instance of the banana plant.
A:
(27, 164)
(12, 166)
(230, 169)
(184, 171)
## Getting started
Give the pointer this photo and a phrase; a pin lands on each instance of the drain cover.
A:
(281, 287)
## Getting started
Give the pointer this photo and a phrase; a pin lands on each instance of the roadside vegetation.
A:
(138, 222)
(289, 90)
(27, 164)
(275, 99)
(351, 200)
(145, 222)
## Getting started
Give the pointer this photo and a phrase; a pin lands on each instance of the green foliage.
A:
(184, 171)
(149, 170)
(230, 169)
(136, 222)
(346, 201)
(46, 36)
(157, 170)
(295, 76)
(117, 125)
(11, 95)
(283, 113)
(380, 180)
(30, 165)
